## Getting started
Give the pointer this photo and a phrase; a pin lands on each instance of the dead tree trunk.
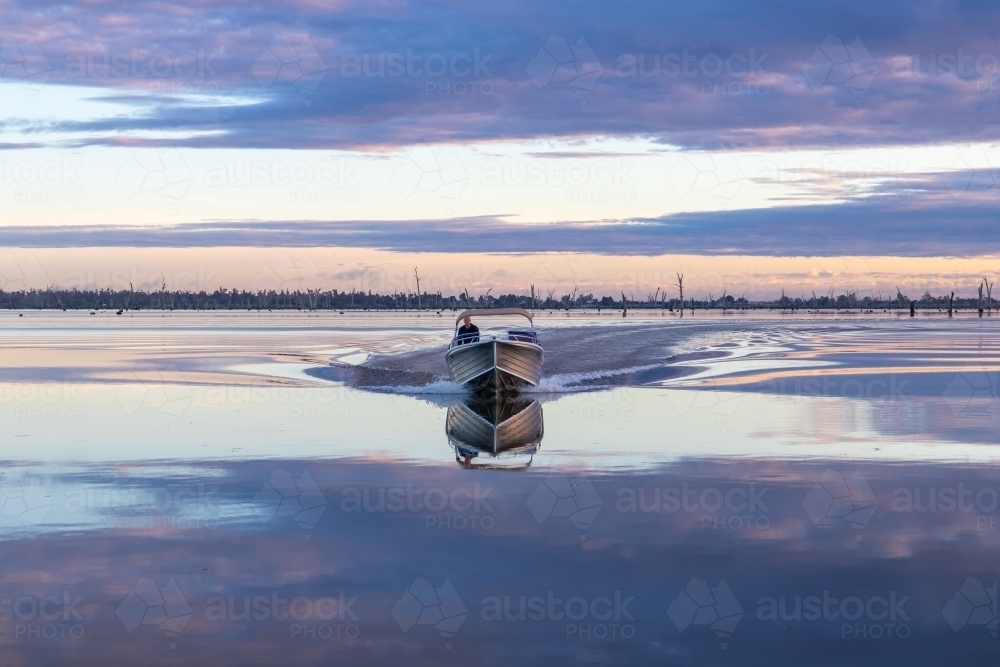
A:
(417, 276)
(680, 287)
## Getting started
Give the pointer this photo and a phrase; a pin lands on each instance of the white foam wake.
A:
(565, 383)
(439, 387)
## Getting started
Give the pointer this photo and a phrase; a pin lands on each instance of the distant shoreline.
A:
(334, 300)
(613, 314)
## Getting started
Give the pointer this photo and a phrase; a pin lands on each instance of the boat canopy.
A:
(494, 311)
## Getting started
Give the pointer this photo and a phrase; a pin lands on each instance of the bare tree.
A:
(417, 276)
(989, 296)
(532, 297)
(680, 286)
(624, 305)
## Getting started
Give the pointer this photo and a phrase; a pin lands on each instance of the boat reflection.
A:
(495, 431)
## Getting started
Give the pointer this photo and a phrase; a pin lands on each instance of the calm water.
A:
(257, 489)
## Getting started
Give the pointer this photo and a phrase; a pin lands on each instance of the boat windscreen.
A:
(499, 324)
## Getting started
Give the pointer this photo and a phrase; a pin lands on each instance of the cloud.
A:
(385, 75)
(919, 229)
(924, 557)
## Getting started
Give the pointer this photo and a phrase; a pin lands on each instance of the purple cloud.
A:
(927, 226)
(373, 76)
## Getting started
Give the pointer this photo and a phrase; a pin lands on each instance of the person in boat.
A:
(468, 333)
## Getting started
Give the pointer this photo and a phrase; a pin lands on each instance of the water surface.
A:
(272, 488)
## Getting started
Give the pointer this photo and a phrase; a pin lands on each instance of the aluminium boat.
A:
(495, 431)
(503, 360)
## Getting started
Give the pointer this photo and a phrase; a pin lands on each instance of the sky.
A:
(848, 145)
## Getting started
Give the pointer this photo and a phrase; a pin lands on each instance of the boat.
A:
(495, 431)
(502, 360)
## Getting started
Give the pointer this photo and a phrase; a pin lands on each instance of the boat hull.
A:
(497, 365)
(495, 427)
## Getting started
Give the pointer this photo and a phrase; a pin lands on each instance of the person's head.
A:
(468, 321)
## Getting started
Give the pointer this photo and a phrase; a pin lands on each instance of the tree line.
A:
(340, 300)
